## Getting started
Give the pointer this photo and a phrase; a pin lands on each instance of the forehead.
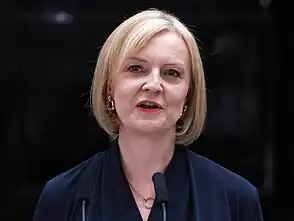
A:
(167, 46)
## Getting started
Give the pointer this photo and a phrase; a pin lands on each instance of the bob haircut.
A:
(131, 36)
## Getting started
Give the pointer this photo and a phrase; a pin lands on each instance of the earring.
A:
(180, 125)
(110, 105)
(184, 110)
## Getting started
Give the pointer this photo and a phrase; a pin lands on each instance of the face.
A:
(151, 88)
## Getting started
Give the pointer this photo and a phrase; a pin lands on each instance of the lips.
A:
(149, 104)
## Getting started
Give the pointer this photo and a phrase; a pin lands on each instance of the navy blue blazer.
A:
(217, 193)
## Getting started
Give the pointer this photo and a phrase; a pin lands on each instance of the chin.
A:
(149, 126)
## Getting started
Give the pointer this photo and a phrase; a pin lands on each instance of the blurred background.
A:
(49, 49)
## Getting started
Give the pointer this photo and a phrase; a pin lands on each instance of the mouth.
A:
(149, 105)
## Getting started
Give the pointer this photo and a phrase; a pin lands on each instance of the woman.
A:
(148, 94)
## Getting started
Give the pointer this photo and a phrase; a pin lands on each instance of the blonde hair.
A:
(130, 36)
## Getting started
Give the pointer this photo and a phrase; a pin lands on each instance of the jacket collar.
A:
(114, 188)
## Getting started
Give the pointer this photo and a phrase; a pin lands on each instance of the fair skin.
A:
(159, 72)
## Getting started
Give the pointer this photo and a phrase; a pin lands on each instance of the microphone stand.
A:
(161, 195)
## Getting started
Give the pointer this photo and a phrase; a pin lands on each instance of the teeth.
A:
(149, 104)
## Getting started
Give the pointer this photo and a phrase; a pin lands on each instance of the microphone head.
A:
(161, 195)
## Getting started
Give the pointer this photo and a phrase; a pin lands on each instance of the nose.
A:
(153, 82)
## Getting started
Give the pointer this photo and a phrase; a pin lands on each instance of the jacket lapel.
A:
(117, 200)
(210, 203)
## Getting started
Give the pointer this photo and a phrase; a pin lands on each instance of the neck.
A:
(143, 155)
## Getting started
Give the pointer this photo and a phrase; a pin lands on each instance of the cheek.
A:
(177, 100)
(177, 96)
(126, 87)
(120, 100)
(176, 105)
(123, 94)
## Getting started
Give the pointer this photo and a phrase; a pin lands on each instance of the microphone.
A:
(161, 195)
(85, 192)
(84, 201)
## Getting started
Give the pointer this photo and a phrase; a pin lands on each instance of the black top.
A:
(199, 190)
(120, 201)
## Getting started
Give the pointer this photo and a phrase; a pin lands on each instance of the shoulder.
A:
(60, 191)
(70, 178)
(225, 178)
(238, 191)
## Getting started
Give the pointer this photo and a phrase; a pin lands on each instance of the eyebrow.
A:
(137, 59)
(143, 60)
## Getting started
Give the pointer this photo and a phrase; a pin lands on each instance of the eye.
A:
(135, 69)
(172, 73)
